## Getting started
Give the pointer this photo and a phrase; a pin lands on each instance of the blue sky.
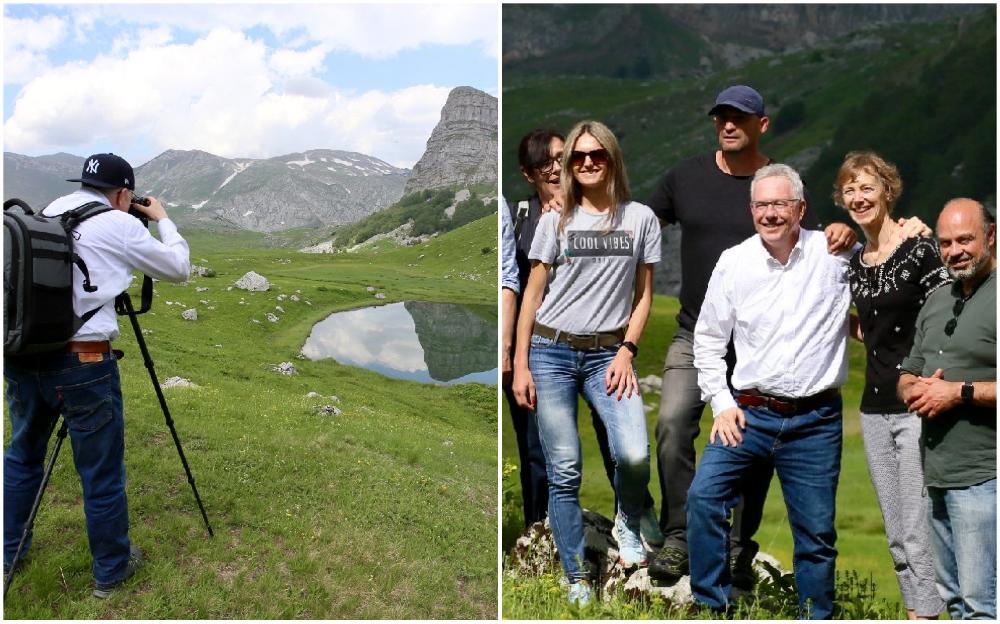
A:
(239, 80)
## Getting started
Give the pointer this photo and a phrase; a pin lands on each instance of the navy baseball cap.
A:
(740, 97)
(107, 171)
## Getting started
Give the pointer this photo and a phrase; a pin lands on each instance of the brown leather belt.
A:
(785, 405)
(583, 342)
(88, 347)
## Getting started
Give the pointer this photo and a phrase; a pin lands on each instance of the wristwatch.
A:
(967, 390)
(631, 347)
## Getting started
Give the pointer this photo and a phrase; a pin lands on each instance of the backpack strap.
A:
(10, 203)
(522, 212)
(72, 218)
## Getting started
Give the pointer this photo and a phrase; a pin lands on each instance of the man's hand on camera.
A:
(154, 210)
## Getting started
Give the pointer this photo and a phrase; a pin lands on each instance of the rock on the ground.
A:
(201, 288)
(190, 314)
(313, 395)
(370, 289)
(253, 282)
(271, 317)
(178, 382)
(285, 368)
(330, 410)
(380, 295)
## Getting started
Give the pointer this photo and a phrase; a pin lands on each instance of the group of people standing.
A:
(762, 338)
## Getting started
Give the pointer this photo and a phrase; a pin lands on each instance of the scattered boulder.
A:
(190, 314)
(279, 309)
(294, 298)
(203, 301)
(649, 383)
(535, 554)
(271, 317)
(330, 410)
(200, 288)
(370, 289)
(202, 271)
(178, 382)
(380, 295)
(313, 395)
(255, 321)
(280, 298)
(285, 368)
(333, 397)
(253, 282)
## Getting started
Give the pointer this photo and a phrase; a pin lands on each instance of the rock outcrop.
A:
(463, 147)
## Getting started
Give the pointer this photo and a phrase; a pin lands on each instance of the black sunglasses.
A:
(597, 156)
(949, 329)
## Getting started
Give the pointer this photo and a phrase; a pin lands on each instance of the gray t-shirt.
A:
(592, 280)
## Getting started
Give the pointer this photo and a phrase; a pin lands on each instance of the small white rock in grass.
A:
(190, 314)
(308, 302)
(210, 307)
(201, 289)
(178, 382)
(330, 410)
(229, 288)
(370, 289)
(255, 321)
(168, 303)
(203, 301)
(285, 368)
(294, 298)
(280, 298)
(279, 309)
(298, 291)
(253, 282)
(218, 346)
(146, 332)
(380, 295)
(272, 318)
(312, 395)
(333, 397)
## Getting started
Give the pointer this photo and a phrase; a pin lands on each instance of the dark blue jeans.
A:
(89, 397)
(804, 450)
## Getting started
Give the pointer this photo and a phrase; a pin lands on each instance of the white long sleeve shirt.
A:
(113, 244)
(789, 322)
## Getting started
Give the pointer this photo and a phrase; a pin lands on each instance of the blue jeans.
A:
(964, 539)
(561, 374)
(88, 395)
(804, 450)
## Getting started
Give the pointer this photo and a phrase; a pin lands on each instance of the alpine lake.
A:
(436, 343)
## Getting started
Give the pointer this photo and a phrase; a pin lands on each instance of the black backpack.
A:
(38, 262)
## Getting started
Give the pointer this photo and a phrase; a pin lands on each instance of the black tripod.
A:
(123, 306)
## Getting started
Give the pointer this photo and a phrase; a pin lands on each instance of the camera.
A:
(142, 201)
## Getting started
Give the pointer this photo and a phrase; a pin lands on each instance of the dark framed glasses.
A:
(597, 156)
(956, 311)
(549, 165)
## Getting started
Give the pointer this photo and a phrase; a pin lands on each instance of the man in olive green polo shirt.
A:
(949, 379)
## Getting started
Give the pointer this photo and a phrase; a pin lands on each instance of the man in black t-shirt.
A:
(709, 196)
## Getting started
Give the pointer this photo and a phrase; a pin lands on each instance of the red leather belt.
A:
(103, 346)
(785, 405)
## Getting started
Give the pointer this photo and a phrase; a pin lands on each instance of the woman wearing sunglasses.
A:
(585, 305)
(890, 278)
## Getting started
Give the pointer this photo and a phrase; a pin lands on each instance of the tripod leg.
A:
(60, 436)
(130, 311)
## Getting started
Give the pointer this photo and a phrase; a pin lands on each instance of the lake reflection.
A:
(415, 340)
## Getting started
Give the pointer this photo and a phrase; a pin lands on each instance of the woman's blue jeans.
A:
(88, 395)
(561, 374)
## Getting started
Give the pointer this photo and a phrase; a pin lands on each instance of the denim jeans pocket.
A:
(13, 398)
(87, 406)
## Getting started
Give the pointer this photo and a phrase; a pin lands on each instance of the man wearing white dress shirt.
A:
(81, 381)
(785, 301)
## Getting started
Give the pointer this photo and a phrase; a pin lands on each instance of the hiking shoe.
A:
(741, 569)
(103, 590)
(580, 593)
(630, 550)
(649, 529)
(669, 565)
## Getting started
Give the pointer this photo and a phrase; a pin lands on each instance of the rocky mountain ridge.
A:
(319, 187)
(462, 149)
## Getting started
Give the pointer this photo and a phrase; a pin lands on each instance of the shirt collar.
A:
(958, 293)
(797, 250)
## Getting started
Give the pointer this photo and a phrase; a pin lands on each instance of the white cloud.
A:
(26, 43)
(371, 30)
(224, 93)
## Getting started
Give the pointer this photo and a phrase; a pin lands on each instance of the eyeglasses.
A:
(783, 206)
(597, 156)
(549, 165)
(956, 311)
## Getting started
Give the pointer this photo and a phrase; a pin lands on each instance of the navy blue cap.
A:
(107, 171)
(740, 97)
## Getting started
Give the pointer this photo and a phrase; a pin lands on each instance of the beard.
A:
(970, 271)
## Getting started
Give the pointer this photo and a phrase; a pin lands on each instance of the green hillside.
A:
(426, 211)
(923, 94)
(388, 510)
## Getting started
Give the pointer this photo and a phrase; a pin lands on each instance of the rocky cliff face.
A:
(463, 147)
(455, 341)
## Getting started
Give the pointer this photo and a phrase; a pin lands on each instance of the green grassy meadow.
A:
(388, 510)
(861, 542)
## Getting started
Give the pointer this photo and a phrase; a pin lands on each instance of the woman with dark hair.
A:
(890, 278)
(581, 322)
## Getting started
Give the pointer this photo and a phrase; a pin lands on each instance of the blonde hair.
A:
(872, 163)
(615, 178)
